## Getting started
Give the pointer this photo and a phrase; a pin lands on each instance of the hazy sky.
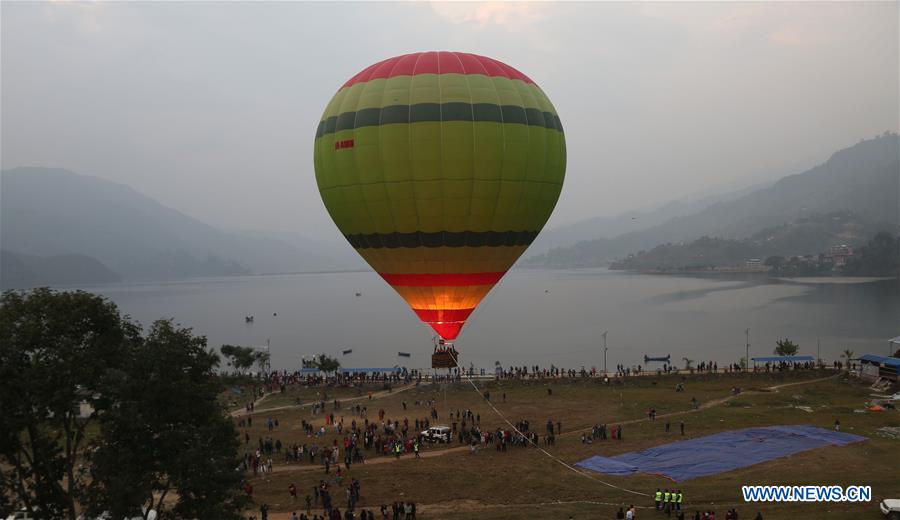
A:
(212, 107)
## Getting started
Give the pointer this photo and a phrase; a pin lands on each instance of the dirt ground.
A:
(525, 482)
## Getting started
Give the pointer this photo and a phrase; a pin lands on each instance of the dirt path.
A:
(716, 402)
(376, 395)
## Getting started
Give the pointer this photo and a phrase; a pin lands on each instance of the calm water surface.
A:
(533, 316)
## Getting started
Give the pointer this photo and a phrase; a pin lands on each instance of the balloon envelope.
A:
(440, 169)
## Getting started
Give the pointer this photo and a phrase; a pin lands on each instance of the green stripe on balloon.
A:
(444, 112)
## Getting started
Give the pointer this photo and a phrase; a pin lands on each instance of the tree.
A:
(167, 434)
(880, 257)
(262, 360)
(786, 347)
(58, 351)
(688, 363)
(322, 362)
(847, 354)
(97, 418)
(240, 358)
(775, 262)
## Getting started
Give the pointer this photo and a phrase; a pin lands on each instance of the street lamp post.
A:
(747, 355)
(604, 353)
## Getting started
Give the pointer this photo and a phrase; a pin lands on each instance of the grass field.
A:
(523, 482)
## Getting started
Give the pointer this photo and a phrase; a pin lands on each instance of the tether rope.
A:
(536, 445)
(473, 318)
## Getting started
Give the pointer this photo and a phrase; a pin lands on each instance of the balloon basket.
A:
(446, 358)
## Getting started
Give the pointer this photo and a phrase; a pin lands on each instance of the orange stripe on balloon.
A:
(435, 315)
(441, 280)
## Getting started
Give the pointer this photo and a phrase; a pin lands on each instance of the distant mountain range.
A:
(59, 227)
(863, 180)
(630, 221)
(21, 271)
(811, 235)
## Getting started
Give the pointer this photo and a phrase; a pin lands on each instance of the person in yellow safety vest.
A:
(667, 497)
(416, 448)
(678, 499)
(658, 498)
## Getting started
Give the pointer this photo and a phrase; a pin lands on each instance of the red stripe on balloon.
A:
(435, 315)
(446, 279)
(437, 63)
(448, 330)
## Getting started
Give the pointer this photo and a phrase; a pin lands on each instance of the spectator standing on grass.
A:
(620, 514)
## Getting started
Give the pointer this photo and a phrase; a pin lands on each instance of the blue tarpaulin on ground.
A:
(720, 452)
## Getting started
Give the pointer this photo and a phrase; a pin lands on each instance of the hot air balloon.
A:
(440, 169)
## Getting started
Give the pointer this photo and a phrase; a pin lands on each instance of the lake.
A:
(531, 317)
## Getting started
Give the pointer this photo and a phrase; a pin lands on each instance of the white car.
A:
(437, 434)
(891, 508)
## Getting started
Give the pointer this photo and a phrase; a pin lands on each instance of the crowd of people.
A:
(352, 438)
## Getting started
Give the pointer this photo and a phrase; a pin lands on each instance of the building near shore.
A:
(754, 264)
(837, 256)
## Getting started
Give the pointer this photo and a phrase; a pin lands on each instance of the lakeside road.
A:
(837, 280)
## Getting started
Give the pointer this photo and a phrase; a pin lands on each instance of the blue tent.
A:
(881, 360)
(888, 367)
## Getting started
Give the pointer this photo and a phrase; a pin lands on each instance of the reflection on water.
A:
(533, 316)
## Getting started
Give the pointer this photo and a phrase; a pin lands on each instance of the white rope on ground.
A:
(545, 452)
(511, 425)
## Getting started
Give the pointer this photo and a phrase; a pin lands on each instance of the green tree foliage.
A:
(168, 434)
(153, 425)
(322, 362)
(880, 257)
(57, 351)
(786, 347)
(242, 358)
(847, 355)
